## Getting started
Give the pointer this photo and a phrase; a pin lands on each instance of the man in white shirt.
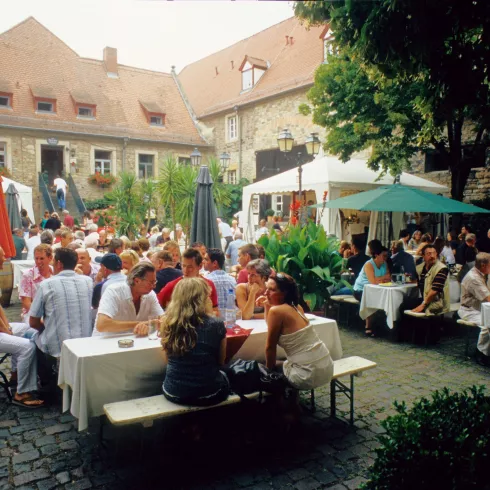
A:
(225, 232)
(33, 241)
(241, 219)
(125, 306)
(61, 188)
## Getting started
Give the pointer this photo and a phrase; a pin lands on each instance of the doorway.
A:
(52, 162)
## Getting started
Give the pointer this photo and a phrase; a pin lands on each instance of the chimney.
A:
(291, 40)
(287, 39)
(110, 62)
(232, 65)
(216, 70)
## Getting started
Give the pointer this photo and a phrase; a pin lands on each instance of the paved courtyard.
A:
(242, 446)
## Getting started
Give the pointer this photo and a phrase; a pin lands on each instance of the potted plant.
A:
(308, 255)
(269, 213)
(440, 443)
(102, 180)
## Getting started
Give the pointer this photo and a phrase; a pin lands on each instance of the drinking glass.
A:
(236, 327)
(153, 327)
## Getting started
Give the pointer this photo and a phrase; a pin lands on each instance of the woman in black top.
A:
(195, 345)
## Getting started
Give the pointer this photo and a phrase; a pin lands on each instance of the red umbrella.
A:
(6, 240)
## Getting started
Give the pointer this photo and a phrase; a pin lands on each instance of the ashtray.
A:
(125, 343)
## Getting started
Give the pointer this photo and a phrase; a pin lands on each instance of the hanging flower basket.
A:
(4, 172)
(101, 180)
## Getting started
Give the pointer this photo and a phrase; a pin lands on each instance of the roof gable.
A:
(40, 65)
(292, 51)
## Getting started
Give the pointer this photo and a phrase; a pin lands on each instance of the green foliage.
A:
(402, 82)
(236, 193)
(128, 207)
(440, 443)
(308, 255)
(97, 204)
(221, 191)
(269, 212)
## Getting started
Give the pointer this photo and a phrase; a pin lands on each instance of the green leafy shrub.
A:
(97, 204)
(442, 443)
(269, 212)
(308, 255)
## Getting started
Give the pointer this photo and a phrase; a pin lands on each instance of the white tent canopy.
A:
(25, 195)
(331, 175)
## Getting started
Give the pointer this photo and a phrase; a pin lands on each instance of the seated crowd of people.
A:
(427, 262)
(93, 286)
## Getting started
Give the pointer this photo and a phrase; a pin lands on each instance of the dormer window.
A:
(84, 105)
(328, 43)
(44, 106)
(156, 121)
(252, 70)
(5, 101)
(155, 115)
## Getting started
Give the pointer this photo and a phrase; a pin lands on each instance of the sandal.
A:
(28, 400)
(368, 333)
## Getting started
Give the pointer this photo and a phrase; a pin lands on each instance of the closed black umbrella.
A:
(12, 201)
(204, 225)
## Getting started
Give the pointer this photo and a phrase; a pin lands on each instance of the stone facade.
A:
(478, 185)
(24, 159)
(258, 128)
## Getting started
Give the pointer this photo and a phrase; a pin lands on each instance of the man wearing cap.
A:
(110, 269)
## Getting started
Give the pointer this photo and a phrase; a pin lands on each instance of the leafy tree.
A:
(422, 65)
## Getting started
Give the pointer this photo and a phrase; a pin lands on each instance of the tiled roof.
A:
(291, 66)
(34, 61)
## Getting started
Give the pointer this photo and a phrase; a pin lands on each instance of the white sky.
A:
(151, 34)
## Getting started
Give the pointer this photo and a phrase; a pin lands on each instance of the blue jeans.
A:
(60, 195)
(344, 290)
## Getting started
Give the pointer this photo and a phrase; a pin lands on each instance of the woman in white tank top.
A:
(308, 364)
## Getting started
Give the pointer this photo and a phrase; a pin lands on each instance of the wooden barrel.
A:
(6, 283)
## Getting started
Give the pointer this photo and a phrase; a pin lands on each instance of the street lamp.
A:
(312, 144)
(196, 158)
(224, 160)
(285, 140)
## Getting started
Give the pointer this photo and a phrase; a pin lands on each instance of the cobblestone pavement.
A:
(242, 446)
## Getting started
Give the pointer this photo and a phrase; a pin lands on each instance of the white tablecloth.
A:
(485, 314)
(95, 371)
(389, 299)
(19, 266)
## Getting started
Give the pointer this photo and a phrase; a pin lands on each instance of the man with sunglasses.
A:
(125, 307)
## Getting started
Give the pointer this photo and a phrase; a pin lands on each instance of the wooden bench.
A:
(339, 299)
(349, 366)
(146, 410)
(468, 326)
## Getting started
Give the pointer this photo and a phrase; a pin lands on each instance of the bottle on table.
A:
(230, 310)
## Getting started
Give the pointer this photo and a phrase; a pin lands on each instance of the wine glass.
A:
(153, 327)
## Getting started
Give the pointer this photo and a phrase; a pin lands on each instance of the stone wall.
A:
(477, 187)
(24, 162)
(259, 126)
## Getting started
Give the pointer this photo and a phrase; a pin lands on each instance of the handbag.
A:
(244, 376)
(272, 381)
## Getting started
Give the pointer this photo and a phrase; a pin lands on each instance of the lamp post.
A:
(196, 158)
(285, 141)
(224, 161)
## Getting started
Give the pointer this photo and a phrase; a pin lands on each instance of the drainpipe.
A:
(125, 143)
(239, 120)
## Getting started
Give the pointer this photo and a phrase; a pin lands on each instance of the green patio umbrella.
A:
(204, 226)
(400, 198)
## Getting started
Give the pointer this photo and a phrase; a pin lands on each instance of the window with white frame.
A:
(277, 203)
(231, 177)
(247, 79)
(231, 128)
(145, 166)
(43, 106)
(156, 121)
(3, 154)
(85, 111)
(103, 162)
(5, 101)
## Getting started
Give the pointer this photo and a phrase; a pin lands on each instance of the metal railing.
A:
(43, 187)
(75, 194)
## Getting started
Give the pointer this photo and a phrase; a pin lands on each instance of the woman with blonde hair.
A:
(195, 345)
(129, 259)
